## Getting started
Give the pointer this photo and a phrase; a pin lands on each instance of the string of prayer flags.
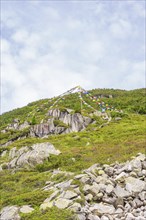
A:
(100, 103)
(79, 90)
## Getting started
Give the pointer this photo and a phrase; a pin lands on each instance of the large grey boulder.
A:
(24, 125)
(64, 185)
(121, 192)
(92, 189)
(135, 185)
(62, 203)
(16, 153)
(10, 213)
(93, 217)
(133, 165)
(104, 217)
(26, 157)
(68, 195)
(101, 208)
(121, 177)
(26, 209)
(49, 202)
(109, 189)
(81, 216)
(75, 207)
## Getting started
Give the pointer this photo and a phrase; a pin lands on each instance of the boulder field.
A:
(101, 192)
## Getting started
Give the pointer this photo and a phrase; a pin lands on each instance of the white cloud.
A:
(138, 8)
(135, 78)
(74, 23)
(5, 46)
(121, 28)
(93, 51)
(49, 48)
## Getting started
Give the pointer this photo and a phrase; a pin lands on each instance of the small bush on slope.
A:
(49, 214)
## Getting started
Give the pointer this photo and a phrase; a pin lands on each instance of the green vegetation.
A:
(59, 123)
(101, 142)
(49, 214)
(12, 135)
(133, 101)
(129, 101)
(23, 188)
(33, 122)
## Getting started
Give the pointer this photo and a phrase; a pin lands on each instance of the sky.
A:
(48, 47)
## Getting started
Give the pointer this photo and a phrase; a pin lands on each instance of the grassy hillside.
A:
(133, 101)
(116, 141)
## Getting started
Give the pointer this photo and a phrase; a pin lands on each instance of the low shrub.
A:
(59, 123)
(48, 214)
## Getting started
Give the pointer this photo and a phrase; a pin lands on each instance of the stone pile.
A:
(108, 192)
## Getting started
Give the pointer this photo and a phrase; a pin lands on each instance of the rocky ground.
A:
(107, 192)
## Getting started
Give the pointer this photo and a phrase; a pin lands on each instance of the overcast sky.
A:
(49, 47)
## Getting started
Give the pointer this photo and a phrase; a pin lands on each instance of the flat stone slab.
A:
(135, 185)
(26, 209)
(102, 209)
(63, 203)
(68, 195)
(120, 192)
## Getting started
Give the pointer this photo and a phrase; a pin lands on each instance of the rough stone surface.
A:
(102, 209)
(68, 195)
(17, 126)
(75, 207)
(46, 205)
(74, 123)
(31, 156)
(120, 192)
(10, 213)
(26, 209)
(63, 203)
(135, 185)
(93, 217)
(4, 153)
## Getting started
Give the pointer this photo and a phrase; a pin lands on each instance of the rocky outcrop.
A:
(17, 126)
(30, 156)
(12, 212)
(108, 192)
(73, 123)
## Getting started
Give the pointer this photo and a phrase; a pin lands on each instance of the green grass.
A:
(49, 214)
(23, 188)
